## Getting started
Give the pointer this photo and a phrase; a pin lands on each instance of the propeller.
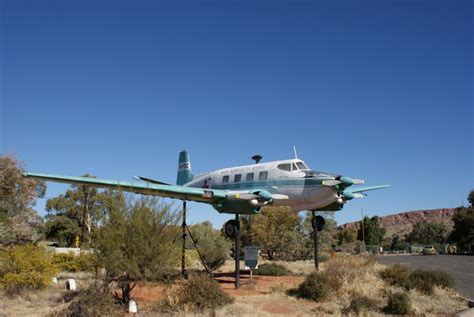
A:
(331, 182)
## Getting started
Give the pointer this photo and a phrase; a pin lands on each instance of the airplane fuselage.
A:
(288, 178)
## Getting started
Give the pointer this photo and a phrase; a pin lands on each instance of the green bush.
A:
(396, 275)
(212, 245)
(323, 257)
(398, 304)
(272, 269)
(317, 286)
(73, 263)
(25, 267)
(425, 280)
(421, 280)
(90, 303)
(360, 304)
(199, 292)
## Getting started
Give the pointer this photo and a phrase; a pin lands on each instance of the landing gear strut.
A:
(232, 230)
(318, 223)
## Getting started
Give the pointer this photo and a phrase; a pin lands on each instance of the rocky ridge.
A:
(401, 224)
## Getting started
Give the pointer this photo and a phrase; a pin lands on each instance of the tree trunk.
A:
(85, 214)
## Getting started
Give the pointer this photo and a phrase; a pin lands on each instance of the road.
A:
(461, 268)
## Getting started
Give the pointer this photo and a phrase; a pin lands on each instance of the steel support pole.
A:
(315, 242)
(183, 245)
(237, 252)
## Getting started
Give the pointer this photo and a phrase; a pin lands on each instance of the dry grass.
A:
(360, 278)
(31, 303)
(359, 275)
(43, 302)
(296, 267)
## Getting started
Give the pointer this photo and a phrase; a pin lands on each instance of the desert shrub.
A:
(90, 303)
(212, 245)
(137, 242)
(323, 257)
(398, 304)
(168, 276)
(425, 280)
(199, 292)
(396, 275)
(360, 304)
(72, 263)
(317, 286)
(272, 269)
(349, 267)
(25, 267)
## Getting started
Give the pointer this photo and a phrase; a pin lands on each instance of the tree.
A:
(19, 222)
(137, 241)
(212, 245)
(428, 233)
(470, 198)
(326, 238)
(77, 213)
(373, 231)
(347, 236)
(274, 229)
(62, 229)
(463, 231)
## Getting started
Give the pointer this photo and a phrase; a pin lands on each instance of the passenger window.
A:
(237, 178)
(249, 177)
(285, 167)
(263, 175)
(225, 179)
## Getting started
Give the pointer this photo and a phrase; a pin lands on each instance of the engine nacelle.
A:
(263, 196)
(348, 195)
(248, 207)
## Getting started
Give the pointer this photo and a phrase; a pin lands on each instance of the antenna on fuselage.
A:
(294, 149)
(257, 158)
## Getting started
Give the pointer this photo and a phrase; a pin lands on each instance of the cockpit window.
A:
(285, 167)
(301, 166)
(294, 167)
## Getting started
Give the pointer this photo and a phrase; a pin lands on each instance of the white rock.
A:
(132, 307)
(71, 284)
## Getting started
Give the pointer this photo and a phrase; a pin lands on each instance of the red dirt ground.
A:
(262, 284)
(151, 292)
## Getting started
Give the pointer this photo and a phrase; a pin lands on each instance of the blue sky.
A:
(379, 90)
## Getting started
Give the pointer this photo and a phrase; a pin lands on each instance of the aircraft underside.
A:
(298, 198)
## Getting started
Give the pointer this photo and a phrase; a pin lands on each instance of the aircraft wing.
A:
(365, 188)
(163, 190)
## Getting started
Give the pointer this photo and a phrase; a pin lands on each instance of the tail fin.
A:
(184, 168)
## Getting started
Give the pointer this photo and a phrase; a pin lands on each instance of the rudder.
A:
(184, 168)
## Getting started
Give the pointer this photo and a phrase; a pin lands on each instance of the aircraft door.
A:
(207, 183)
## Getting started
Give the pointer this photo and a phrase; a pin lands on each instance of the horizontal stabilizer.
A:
(358, 181)
(149, 180)
(366, 188)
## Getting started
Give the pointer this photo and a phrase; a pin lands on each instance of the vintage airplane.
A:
(242, 189)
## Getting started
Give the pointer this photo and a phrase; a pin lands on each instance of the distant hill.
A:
(401, 224)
